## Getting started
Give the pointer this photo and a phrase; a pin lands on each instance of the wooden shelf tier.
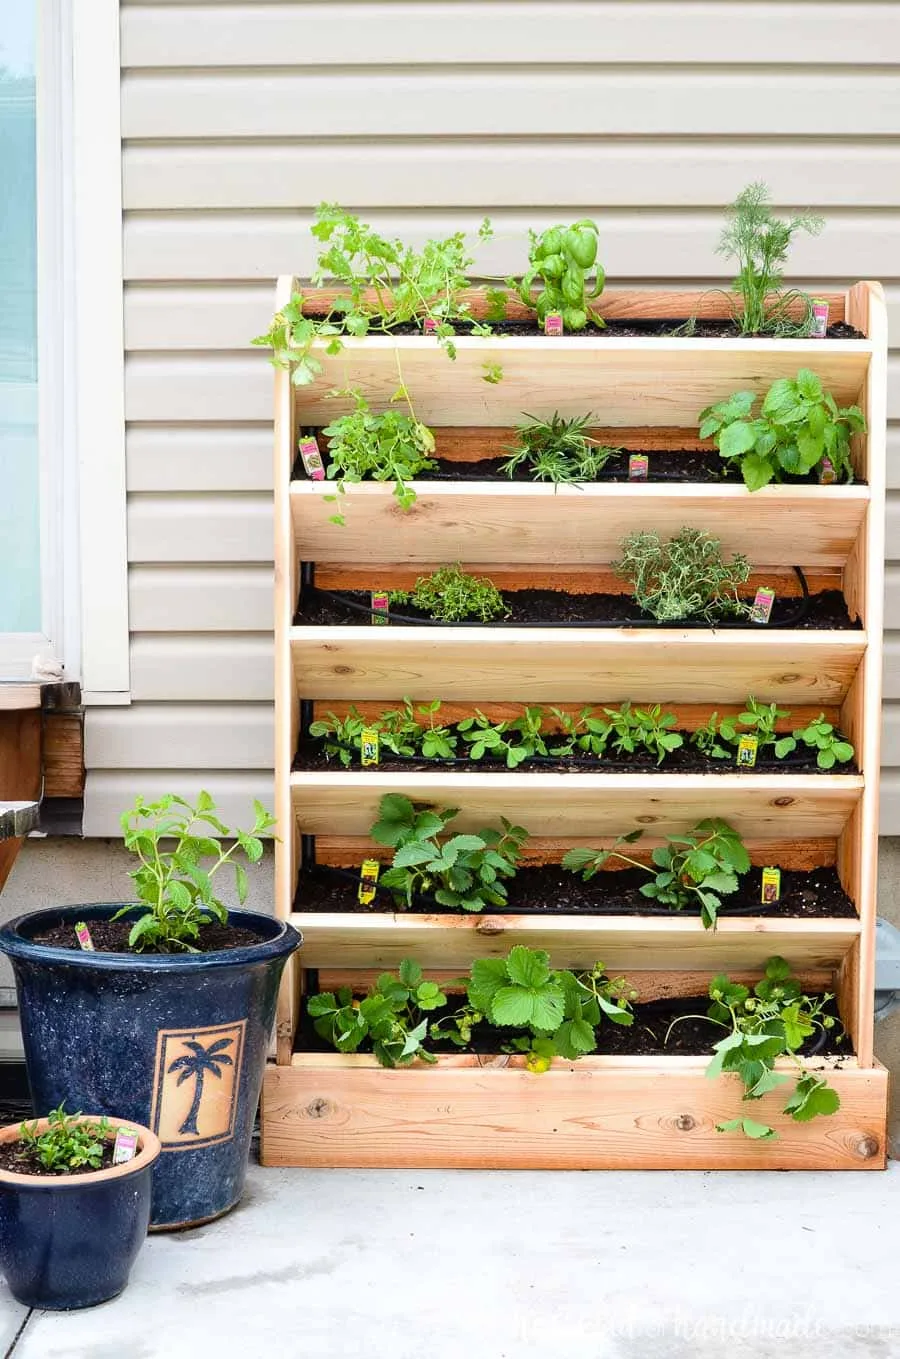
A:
(330, 1109)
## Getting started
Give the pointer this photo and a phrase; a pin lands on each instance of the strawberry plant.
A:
(797, 426)
(563, 260)
(394, 1016)
(686, 577)
(694, 869)
(452, 596)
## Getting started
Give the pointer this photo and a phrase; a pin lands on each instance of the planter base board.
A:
(612, 1113)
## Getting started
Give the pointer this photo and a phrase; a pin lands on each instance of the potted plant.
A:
(74, 1207)
(160, 1011)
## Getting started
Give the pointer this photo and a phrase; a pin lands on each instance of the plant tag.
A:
(368, 748)
(638, 466)
(827, 474)
(368, 877)
(430, 326)
(746, 751)
(312, 460)
(553, 324)
(381, 607)
(126, 1145)
(820, 319)
(83, 935)
(762, 606)
(771, 885)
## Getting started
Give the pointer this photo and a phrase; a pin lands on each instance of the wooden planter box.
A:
(329, 1109)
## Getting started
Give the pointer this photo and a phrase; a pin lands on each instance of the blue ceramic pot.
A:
(177, 1042)
(69, 1241)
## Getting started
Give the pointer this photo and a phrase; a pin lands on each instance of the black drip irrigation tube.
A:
(429, 906)
(336, 597)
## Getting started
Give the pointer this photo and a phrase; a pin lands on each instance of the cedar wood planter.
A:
(343, 1110)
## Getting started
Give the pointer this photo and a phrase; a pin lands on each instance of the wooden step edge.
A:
(450, 1061)
(640, 491)
(492, 926)
(761, 784)
(854, 640)
(651, 345)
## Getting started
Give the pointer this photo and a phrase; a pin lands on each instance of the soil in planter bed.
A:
(111, 936)
(687, 759)
(614, 330)
(538, 608)
(693, 1037)
(9, 1160)
(550, 890)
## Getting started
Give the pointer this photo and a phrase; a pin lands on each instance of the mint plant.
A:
(452, 596)
(394, 1016)
(172, 885)
(770, 1023)
(798, 425)
(694, 869)
(564, 261)
(383, 283)
(759, 243)
(463, 872)
(686, 577)
(390, 446)
(558, 450)
(68, 1145)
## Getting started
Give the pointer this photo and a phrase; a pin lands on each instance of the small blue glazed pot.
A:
(177, 1042)
(69, 1241)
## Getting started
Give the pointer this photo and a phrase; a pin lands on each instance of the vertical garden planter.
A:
(646, 393)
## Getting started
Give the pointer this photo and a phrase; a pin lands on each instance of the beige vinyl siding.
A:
(239, 117)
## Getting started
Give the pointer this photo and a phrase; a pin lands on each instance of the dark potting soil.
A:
(687, 759)
(550, 890)
(111, 936)
(693, 1036)
(538, 608)
(615, 330)
(15, 1157)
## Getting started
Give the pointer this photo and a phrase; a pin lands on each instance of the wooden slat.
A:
(20, 771)
(813, 526)
(657, 943)
(627, 381)
(346, 802)
(598, 1113)
(574, 578)
(63, 755)
(520, 663)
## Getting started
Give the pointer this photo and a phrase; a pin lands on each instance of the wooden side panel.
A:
(812, 526)
(757, 805)
(596, 1114)
(20, 770)
(574, 665)
(623, 943)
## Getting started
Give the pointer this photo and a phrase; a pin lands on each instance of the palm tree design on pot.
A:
(202, 1062)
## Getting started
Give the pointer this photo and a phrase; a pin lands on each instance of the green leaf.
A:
(410, 973)
(811, 1098)
(760, 1132)
(757, 472)
(737, 439)
(512, 1005)
(528, 967)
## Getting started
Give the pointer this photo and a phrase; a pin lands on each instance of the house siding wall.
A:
(239, 117)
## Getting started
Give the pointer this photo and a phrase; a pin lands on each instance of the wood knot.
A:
(787, 679)
(783, 802)
(866, 1147)
(646, 820)
(343, 670)
(488, 926)
(318, 1108)
(685, 1123)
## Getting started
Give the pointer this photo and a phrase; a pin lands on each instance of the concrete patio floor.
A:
(398, 1265)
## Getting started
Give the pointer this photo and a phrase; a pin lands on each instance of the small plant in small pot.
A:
(160, 1012)
(74, 1207)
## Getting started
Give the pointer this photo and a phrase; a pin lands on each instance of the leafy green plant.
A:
(710, 737)
(68, 1145)
(451, 595)
(822, 737)
(564, 261)
(437, 740)
(798, 425)
(583, 732)
(172, 884)
(685, 577)
(759, 243)
(340, 735)
(394, 1016)
(464, 871)
(390, 446)
(558, 450)
(383, 283)
(770, 1023)
(516, 740)
(694, 869)
(650, 729)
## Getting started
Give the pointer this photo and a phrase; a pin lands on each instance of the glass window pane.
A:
(20, 578)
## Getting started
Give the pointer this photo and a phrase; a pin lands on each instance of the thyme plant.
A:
(686, 577)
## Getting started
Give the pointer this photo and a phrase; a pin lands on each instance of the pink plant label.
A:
(430, 326)
(827, 474)
(761, 611)
(820, 319)
(381, 606)
(553, 324)
(312, 460)
(638, 466)
(126, 1146)
(83, 935)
